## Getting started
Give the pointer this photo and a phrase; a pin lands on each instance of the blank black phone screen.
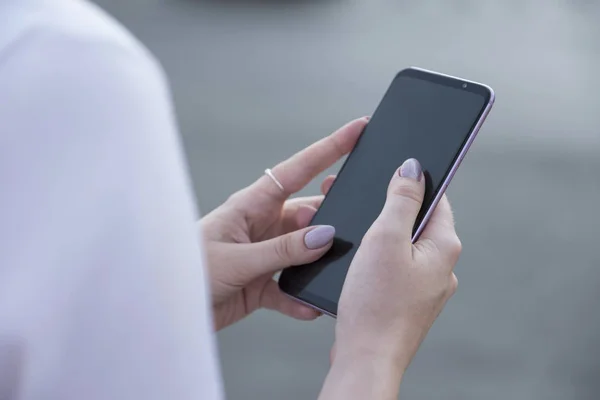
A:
(422, 115)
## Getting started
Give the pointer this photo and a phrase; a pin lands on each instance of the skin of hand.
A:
(258, 231)
(393, 293)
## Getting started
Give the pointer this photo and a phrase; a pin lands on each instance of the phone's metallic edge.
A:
(462, 153)
(316, 308)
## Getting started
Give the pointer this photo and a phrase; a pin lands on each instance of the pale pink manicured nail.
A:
(411, 168)
(319, 237)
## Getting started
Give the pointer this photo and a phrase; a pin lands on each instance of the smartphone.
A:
(424, 115)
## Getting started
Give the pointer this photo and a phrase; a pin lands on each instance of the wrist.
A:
(395, 352)
(358, 373)
(377, 357)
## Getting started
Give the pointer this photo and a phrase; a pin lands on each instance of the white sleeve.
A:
(102, 288)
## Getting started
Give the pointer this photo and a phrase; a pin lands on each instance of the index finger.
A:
(298, 170)
(440, 227)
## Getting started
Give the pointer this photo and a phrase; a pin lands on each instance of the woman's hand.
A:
(258, 231)
(393, 293)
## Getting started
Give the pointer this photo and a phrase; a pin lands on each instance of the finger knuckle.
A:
(235, 197)
(427, 246)
(453, 285)
(336, 145)
(455, 247)
(407, 190)
(283, 249)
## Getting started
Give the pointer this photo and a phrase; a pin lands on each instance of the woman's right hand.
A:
(393, 292)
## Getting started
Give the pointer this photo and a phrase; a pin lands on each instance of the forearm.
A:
(362, 376)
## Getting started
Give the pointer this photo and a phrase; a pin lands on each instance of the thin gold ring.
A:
(269, 173)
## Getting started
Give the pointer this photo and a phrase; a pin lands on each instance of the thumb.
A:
(296, 248)
(404, 198)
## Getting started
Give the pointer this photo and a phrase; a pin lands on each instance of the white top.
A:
(102, 287)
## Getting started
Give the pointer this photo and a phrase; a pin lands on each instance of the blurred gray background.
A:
(255, 81)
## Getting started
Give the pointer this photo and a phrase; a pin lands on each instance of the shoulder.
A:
(67, 22)
(66, 43)
(68, 67)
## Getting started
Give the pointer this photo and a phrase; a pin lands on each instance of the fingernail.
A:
(411, 168)
(367, 118)
(319, 237)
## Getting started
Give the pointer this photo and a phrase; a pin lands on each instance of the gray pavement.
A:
(256, 81)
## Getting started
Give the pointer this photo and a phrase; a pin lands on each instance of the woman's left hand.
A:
(258, 232)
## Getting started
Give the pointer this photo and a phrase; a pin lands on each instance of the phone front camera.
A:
(464, 85)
